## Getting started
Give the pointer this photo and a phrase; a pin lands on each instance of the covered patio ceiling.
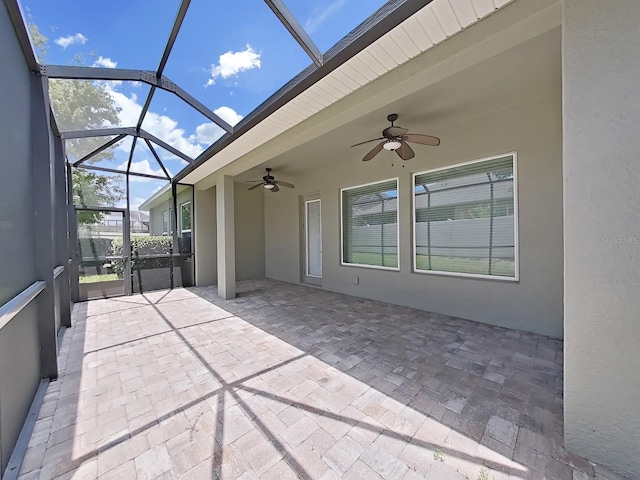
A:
(527, 71)
(510, 57)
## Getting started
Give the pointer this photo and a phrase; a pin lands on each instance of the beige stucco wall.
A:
(204, 237)
(533, 129)
(249, 223)
(155, 214)
(249, 234)
(601, 72)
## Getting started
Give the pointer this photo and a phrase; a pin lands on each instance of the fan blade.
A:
(394, 131)
(405, 152)
(256, 185)
(374, 151)
(368, 141)
(253, 181)
(275, 188)
(284, 184)
(421, 139)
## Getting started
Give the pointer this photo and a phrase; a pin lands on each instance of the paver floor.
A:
(294, 382)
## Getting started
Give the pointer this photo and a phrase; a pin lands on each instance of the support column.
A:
(226, 238)
(601, 166)
(61, 228)
(42, 159)
(204, 236)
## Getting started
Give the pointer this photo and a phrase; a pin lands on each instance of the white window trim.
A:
(180, 218)
(516, 238)
(359, 265)
(306, 239)
(165, 232)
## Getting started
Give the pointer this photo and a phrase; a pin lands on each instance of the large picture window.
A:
(466, 219)
(370, 225)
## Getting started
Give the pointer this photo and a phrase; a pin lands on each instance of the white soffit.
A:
(428, 27)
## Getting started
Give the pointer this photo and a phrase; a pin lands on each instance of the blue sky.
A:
(229, 55)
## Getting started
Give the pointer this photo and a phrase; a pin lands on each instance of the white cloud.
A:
(167, 129)
(142, 166)
(162, 126)
(319, 16)
(207, 133)
(157, 189)
(228, 114)
(105, 62)
(232, 63)
(64, 42)
(136, 202)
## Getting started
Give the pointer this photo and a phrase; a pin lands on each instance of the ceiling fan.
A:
(270, 183)
(395, 139)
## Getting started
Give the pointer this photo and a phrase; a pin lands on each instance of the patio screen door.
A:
(100, 259)
(313, 263)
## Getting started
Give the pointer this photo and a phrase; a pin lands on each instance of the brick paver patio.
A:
(294, 382)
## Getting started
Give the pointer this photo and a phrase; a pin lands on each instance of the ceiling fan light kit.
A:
(392, 145)
(394, 139)
(270, 183)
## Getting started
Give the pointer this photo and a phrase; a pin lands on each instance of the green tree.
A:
(94, 190)
(78, 104)
(83, 105)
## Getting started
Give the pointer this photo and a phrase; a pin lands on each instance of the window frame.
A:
(162, 214)
(182, 230)
(516, 237)
(306, 237)
(342, 230)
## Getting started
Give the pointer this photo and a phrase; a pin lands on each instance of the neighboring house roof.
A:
(157, 198)
(161, 196)
(135, 215)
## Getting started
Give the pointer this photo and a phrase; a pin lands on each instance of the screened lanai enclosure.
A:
(122, 142)
(447, 282)
(97, 135)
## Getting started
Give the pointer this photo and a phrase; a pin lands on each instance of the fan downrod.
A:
(392, 117)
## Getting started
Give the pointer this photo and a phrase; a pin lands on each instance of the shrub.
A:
(94, 247)
(143, 246)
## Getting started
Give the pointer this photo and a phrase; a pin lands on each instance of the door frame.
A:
(305, 277)
(126, 247)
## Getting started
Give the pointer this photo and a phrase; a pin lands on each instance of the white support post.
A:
(226, 238)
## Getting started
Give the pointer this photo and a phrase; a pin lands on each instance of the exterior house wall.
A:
(249, 224)
(534, 303)
(601, 92)
(204, 237)
(155, 214)
(249, 234)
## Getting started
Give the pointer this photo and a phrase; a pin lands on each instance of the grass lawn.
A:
(500, 267)
(105, 277)
(390, 259)
(480, 266)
